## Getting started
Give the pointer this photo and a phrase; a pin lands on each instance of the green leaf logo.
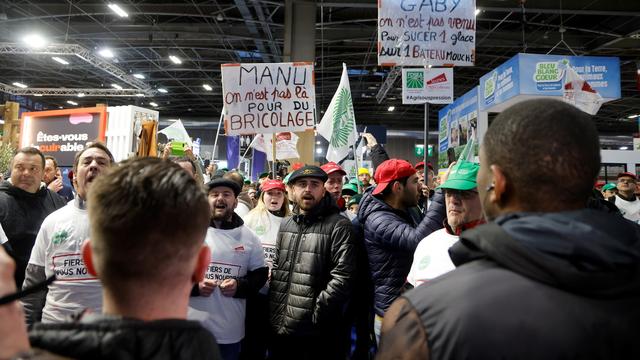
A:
(343, 119)
(60, 237)
(415, 79)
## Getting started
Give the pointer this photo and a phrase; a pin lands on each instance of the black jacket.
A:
(21, 214)
(313, 272)
(108, 337)
(391, 237)
(528, 286)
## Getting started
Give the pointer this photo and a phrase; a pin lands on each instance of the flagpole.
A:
(273, 148)
(215, 143)
(248, 147)
(426, 131)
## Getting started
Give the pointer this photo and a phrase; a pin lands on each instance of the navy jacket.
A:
(391, 237)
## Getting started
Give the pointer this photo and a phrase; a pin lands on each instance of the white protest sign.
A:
(426, 32)
(434, 86)
(268, 98)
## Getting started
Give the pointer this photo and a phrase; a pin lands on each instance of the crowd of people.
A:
(517, 256)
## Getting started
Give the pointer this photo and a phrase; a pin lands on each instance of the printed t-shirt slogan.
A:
(268, 98)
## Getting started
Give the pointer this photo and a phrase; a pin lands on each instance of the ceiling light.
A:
(318, 142)
(20, 85)
(118, 10)
(71, 102)
(80, 94)
(60, 60)
(60, 107)
(164, 91)
(477, 11)
(175, 59)
(391, 108)
(319, 151)
(140, 95)
(153, 104)
(624, 148)
(138, 76)
(35, 41)
(207, 87)
(633, 116)
(106, 52)
(117, 86)
(38, 95)
(219, 17)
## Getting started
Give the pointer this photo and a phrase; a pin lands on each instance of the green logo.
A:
(424, 262)
(60, 237)
(343, 119)
(415, 79)
(490, 85)
(547, 72)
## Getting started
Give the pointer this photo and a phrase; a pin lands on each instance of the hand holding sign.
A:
(206, 287)
(228, 287)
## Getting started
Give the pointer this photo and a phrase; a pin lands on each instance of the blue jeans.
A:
(230, 351)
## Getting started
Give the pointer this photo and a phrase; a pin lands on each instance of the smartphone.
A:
(177, 148)
(451, 155)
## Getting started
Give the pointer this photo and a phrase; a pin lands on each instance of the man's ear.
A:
(87, 256)
(202, 263)
(500, 185)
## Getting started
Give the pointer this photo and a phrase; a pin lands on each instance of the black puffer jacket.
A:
(391, 237)
(109, 337)
(21, 214)
(313, 272)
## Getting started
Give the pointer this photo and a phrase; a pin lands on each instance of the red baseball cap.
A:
(419, 165)
(296, 166)
(629, 174)
(332, 167)
(272, 184)
(389, 171)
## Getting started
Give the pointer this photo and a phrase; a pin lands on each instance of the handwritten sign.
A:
(268, 98)
(426, 32)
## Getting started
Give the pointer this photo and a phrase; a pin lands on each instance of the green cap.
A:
(609, 186)
(349, 189)
(286, 178)
(355, 199)
(462, 176)
(355, 181)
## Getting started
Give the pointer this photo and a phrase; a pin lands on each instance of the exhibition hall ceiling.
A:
(202, 35)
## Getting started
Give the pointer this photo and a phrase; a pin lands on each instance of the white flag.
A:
(177, 132)
(286, 145)
(580, 94)
(338, 125)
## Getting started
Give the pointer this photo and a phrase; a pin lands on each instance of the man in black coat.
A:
(313, 274)
(24, 203)
(549, 277)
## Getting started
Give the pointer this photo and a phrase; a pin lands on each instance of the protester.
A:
(58, 250)
(547, 278)
(13, 331)
(148, 221)
(53, 178)
(24, 203)
(353, 203)
(245, 204)
(626, 199)
(464, 212)
(334, 184)
(391, 235)
(609, 190)
(348, 191)
(265, 221)
(313, 274)
(364, 177)
(236, 271)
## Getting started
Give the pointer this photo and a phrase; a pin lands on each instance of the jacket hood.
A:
(8, 188)
(370, 204)
(590, 252)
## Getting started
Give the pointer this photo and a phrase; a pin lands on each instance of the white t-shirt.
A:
(629, 209)
(3, 236)
(431, 258)
(233, 253)
(266, 226)
(58, 249)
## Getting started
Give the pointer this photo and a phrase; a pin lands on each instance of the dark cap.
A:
(224, 182)
(308, 171)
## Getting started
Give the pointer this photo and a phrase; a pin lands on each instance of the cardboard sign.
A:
(426, 32)
(62, 133)
(268, 98)
(434, 86)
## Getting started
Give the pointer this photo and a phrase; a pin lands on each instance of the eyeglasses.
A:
(462, 194)
(626, 181)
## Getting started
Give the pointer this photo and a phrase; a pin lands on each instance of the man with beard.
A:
(391, 234)
(547, 277)
(313, 274)
(24, 203)
(58, 250)
(464, 212)
(237, 270)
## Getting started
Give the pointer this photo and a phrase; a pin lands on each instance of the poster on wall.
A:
(62, 133)
(458, 124)
(414, 32)
(268, 98)
(433, 85)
